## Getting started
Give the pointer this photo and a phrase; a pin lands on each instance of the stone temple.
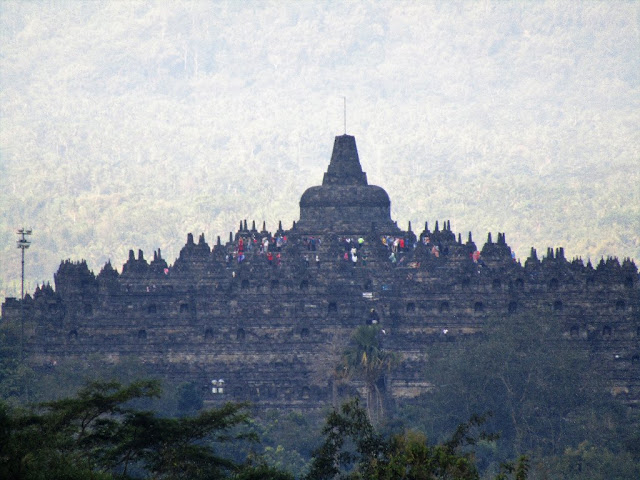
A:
(270, 313)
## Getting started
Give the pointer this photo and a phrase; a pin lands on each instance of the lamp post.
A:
(23, 244)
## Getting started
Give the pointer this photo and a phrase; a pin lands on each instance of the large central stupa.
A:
(345, 202)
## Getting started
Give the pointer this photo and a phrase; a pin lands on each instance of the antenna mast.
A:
(23, 244)
(345, 115)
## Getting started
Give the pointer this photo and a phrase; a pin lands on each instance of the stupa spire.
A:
(344, 168)
(345, 202)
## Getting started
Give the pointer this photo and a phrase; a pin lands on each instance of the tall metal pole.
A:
(345, 115)
(23, 244)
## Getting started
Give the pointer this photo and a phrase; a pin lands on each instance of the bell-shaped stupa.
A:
(345, 203)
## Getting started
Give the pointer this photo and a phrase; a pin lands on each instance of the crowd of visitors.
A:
(353, 248)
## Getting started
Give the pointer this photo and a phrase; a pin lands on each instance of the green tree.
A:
(587, 461)
(350, 444)
(365, 359)
(262, 472)
(98, 434)
(56, 439)
(541, 391)
(288, 438)
(353, 450)
(170, 447)
(523, 372)
(16, 377)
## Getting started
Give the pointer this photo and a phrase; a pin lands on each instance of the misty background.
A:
(128, 124)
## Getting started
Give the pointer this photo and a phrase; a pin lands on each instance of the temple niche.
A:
(266, 314)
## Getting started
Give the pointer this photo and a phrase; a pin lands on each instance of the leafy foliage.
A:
(350, 442)
(365, 359)
(13, 374)
(288, 438)
(542, 394)
(595, 463)
(352, 449)
(98, 435)
(103, 433)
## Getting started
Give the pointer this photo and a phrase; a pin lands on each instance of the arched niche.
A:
(241, 335)
(306, 393)
(208, 334)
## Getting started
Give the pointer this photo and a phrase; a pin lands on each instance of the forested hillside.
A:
(129, 124)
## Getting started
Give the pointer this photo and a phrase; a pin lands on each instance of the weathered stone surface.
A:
(274, 329)
(345, 202)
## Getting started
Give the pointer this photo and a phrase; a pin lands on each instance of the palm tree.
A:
(366, 360)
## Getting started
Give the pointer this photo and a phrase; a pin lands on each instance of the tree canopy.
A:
(543, 395)
(352, 450)
(366, 360)
(98, 434)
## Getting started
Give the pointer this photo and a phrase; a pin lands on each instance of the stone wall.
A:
(274, 331)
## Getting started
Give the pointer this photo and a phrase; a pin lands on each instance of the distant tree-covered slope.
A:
(128, 124)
